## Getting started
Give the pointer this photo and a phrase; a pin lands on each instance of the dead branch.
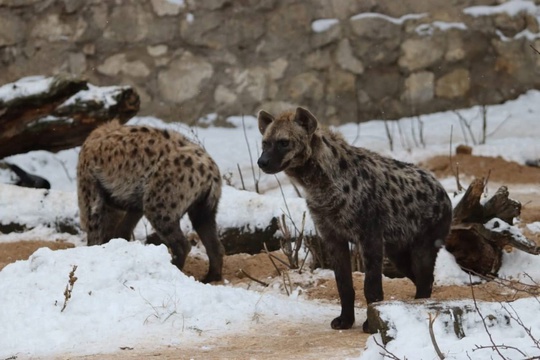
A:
(432, 336)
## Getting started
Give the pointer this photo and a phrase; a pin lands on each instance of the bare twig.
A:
(515, 316)
(404, 143)
(287, 280)
(255, 179)
(357, 137)
(69, 287)
(432, 336)
(421, 131)
(484, 124)
(498, 126)
(389, 135)
(272, 257)
(241, 177)
(477, 308)
(534, 49)
(465, 125)
(456, 171)
(387, 353)
(254, 279)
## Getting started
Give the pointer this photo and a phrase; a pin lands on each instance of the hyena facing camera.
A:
(357, 196)
(125, 172)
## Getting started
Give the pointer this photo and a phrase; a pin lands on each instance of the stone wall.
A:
(346, 60)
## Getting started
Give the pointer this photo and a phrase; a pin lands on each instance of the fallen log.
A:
(481, 231)
(57, 113)
(456, 318)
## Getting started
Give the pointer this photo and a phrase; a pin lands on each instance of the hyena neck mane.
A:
(328, 153)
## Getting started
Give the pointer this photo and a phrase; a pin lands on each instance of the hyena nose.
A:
(262, 163)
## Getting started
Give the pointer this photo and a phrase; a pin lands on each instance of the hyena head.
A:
(286, 139)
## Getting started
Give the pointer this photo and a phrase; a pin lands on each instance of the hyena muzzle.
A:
(354, 195)
(125, 172)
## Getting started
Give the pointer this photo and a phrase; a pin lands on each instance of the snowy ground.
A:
(127, 294)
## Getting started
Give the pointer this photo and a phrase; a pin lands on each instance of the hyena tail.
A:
(83, 200)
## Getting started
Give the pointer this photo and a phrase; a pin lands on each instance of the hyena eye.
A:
(283, 144)
(264, 144)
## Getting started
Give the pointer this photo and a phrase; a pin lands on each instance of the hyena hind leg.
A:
(168, 232)
(102, 220)
(423, 264)
(203, 219)
(127, 224)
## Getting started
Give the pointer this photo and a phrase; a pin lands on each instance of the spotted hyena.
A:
(357, 196)
(125, 172)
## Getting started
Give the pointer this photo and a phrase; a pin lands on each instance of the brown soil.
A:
(499, 170)
(309, 341)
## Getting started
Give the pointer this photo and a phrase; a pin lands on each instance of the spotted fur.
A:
(357, 196)
(125, 172)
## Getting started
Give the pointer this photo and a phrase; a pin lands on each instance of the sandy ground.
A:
(313, 340)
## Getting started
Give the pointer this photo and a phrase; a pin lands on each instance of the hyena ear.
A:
(264, 120)
(306, 120)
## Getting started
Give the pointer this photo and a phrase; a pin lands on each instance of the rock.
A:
(346, 59)
(223, 95)
(464, 149)
(128, 23)
(305, 86)
(165, 7)
(253, 82)
(157, 50)
(77, 63)
(118, 63)
(52, 29)
(453, 85)
(420, 53)
(12, 29)
(184, 78)
(419, 87)
(332, 34)
(277, 68)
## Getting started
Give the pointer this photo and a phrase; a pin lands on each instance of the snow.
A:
(428, 29)
(322, 25)
(28, 86)
(103, 94)
(476, 344)
(127, 294)
(512, 8)
(397, 21)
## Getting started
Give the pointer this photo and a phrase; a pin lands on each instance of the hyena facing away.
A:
(357, 196)
(125, 172)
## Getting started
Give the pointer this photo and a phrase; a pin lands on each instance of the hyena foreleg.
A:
(339, 255)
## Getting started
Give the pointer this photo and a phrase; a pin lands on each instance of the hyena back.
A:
(354, 195)
(125, 172)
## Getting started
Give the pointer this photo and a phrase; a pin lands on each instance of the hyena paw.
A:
(211, 278)
(365, 328)
(342, 323)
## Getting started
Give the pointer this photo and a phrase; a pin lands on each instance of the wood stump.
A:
(61, 116)
(481, 231)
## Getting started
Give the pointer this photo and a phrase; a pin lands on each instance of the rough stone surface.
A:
(453, 85)
(184, 77)
(420, 53)
(230, 57)
(419, 87)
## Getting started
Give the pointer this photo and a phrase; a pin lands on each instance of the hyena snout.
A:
(269, 164)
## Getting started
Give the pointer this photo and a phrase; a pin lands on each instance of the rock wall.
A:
(346, 60)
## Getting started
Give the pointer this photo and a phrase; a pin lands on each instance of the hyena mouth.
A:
(272, 169)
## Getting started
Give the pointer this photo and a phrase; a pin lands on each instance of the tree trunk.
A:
(479, 233)
(62, 116)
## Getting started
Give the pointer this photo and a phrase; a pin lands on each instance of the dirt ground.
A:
(305, 341)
